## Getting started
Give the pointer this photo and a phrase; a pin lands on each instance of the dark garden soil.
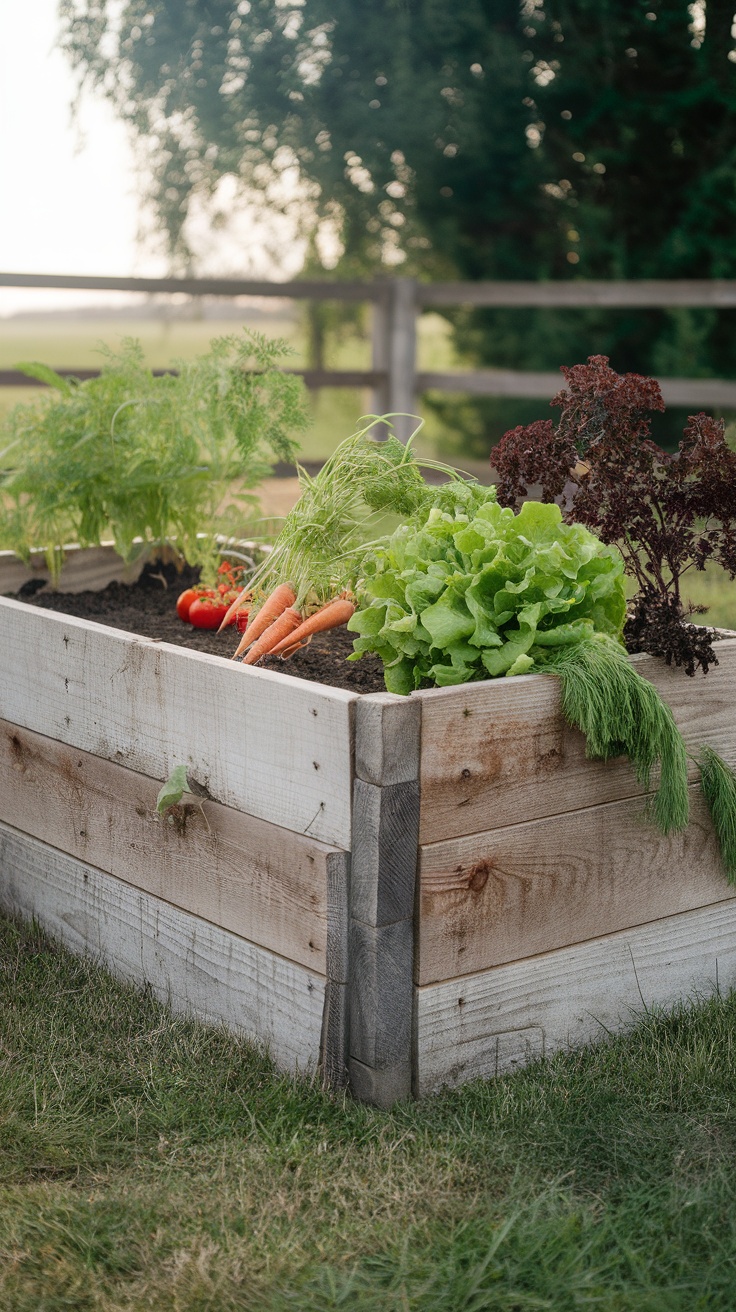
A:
(148, 607)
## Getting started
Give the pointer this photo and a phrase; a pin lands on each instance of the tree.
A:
(595, 139)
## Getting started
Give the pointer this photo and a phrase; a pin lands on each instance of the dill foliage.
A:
(620, 713)
(667, 513)
(718, 782)
(145, 459)
(325, 536)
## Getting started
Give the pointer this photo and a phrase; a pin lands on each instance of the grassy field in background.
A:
(150, 1163)
(713, 589)
(75, 344)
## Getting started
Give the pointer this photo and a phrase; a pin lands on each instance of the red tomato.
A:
(207, 613)
(187, 598)
(185, 601)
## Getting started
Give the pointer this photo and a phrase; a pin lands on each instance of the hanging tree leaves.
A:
(511, 141)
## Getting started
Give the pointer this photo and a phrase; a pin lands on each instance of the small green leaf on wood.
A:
(173, 790)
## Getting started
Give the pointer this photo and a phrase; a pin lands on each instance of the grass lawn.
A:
(150, 1163)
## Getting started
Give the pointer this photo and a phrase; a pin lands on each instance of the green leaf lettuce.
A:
(465, 590)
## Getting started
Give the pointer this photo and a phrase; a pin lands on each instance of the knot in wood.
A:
(478, 876)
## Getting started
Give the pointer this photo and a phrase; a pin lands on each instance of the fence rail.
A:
(394, 377)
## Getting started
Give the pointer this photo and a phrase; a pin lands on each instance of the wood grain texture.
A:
(265, 743)
(381, 1088)
(194, 967)
(570, 997)
(515, 892)
(334, 1059)
(261, 881)
(387, 731)
(499, 753)
(385, 829)
(381, 994)
(338, 915)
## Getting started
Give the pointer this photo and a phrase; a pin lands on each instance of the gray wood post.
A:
(383, 870)
(335, 1019)
(395, 353)
(379, 346)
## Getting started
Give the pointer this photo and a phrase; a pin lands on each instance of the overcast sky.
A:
(68, 197)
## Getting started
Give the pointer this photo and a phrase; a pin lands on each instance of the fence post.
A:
(379, 346)
(395, 353)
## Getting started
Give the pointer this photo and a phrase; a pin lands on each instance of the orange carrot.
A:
(234, 607)
(331, 616)
(273, 606)
(284, 656)
(282, 626)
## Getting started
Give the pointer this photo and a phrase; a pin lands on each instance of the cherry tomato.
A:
(187, 598)
(185, 601)
(241, 619)
(207, 613)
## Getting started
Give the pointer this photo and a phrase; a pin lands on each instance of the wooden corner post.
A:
(381, 904)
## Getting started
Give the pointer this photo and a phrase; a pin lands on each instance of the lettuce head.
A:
(466, 590)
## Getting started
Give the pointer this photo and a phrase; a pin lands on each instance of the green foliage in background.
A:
(511, 141)
(147, 459)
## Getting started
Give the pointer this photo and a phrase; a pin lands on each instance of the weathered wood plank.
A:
(193, 966)
(382, 881)
(703, 392)
(499, 752)
(495, 897)
(338, 915)
(491, 1022)
(303, 288)
(387, 738)
(334, 1063)
(381, 1006)
(385, 827)
(263, 882)
(653, 292)
(266, 743)
(84, 569)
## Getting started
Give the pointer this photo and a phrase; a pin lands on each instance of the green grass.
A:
(150, 1163)
(713, 589)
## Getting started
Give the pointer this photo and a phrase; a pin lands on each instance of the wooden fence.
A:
(394, 376)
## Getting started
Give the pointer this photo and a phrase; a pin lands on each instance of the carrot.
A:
(282, 626)
(234, 607)
(296, 647)
(273, 606)
(331, 616)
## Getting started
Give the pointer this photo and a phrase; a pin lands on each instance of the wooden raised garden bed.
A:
(403, 892)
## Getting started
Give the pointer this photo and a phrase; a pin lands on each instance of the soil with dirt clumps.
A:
(148, 607)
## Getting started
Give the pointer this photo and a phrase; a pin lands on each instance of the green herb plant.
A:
(325, 537)
(145, 459)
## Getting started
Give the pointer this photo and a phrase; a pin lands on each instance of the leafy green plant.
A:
(147, 459)
(466, 589)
